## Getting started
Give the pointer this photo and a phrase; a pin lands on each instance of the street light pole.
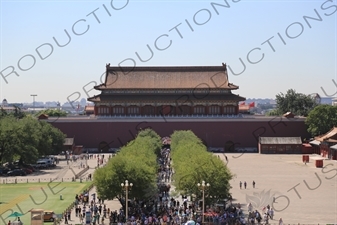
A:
(202, 187)
(33, 100)
(127, 187)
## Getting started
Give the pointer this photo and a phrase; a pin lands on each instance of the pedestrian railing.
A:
(39, 180)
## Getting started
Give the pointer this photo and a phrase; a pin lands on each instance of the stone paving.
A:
(63, 170)
(303, 193)
(112, 204)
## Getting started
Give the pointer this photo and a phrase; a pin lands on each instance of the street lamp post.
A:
(33, 101)
(127, 187)
(202, 187)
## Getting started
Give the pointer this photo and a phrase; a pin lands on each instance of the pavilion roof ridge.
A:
(327, 136)
(163, 77)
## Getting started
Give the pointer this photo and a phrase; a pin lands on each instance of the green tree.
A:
(29, 134)
(193, 164)
(18, 113)
(3, 113)
(9, 139)
(274, 112)
(52, 139)
(137, 163)
(27, 139)
(53, 113)
(297, 103)
(321, 119)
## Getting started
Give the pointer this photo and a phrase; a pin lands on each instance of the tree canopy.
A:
(28, 139)
(17, 113)
(321, 119)
(193, 164)
(53, 113)
(297, 103)
(137, 163)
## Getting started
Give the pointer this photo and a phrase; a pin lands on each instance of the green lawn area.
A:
(24, 197)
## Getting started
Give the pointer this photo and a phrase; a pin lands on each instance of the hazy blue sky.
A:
(301, 52)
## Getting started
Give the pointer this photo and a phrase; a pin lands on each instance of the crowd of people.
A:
(256, 217)
(164, 209)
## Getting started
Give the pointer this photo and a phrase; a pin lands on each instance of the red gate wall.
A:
(215, 133)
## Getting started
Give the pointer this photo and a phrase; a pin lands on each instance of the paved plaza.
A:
(303, 193)
(300, 193)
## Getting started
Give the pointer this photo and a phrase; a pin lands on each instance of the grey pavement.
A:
(299, 193)
(112, 204)
(64, 170)
(303, 193)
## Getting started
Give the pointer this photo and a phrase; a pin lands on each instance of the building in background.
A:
(246, 108)
(328, 144)
(166, 91)
(280, 145)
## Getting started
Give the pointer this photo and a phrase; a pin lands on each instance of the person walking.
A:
(271, 213)
(240, 185)
(280, 222)
(65, 218)
(253, 184)
(250, 207)
(245, 184)
(81, 217)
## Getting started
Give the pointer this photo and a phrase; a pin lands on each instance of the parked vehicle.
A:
(30, 167)
(41, 165)
(48, 216)
(27, 171)
(16, 172)
(49, 162)
(3, 171)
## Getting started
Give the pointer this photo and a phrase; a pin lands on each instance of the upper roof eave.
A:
(163, 77)
(327, 136)
(95, 98)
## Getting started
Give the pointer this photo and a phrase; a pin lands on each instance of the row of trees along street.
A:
(193, 164)
(137, 163)
(25, 138)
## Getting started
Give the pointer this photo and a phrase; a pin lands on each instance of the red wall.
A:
(214, 133)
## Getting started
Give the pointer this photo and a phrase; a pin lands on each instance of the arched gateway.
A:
(166, 91)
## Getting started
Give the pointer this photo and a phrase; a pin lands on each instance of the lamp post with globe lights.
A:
(127, 187)
(203, 186)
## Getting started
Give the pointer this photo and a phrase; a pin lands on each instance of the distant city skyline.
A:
(59, 49)
(324, 100)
